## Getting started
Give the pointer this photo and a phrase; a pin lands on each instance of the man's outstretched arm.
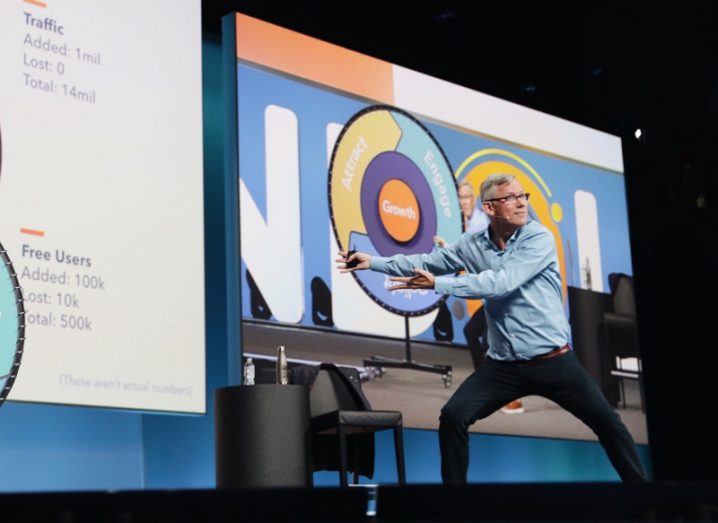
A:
(442, 261)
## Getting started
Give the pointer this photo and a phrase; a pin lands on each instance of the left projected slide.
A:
(101, 199)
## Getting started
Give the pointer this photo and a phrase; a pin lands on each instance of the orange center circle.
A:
(399, 210)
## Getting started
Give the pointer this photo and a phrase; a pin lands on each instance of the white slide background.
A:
(102, 153)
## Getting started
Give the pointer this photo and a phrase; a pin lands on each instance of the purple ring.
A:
(382, 168)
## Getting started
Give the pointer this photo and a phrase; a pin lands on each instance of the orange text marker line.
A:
(35, 2)
(33, 232)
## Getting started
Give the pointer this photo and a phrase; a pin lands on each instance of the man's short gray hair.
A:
(492, 181)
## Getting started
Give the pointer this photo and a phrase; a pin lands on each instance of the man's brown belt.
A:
(554, 353)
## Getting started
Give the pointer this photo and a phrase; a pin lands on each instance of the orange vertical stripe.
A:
(312, 59)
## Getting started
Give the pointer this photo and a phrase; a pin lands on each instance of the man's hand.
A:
(361, 257)
(422, 280)
(439, 241)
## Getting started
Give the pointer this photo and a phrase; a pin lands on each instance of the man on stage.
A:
(513, 266)
(475, 330)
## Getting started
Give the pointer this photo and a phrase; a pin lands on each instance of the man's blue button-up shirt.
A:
(521, 286)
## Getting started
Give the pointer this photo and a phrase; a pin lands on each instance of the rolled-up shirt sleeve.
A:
(444, 284)
(529, 259)
(441, 261)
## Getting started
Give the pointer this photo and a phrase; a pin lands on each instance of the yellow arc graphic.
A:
(547, 214)
(369, 135)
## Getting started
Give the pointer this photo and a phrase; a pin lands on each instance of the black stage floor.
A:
(477, 502)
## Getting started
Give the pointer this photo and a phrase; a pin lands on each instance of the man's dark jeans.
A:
(560, 379)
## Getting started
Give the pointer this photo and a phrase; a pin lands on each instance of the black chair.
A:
(621, 334)
(340, 412)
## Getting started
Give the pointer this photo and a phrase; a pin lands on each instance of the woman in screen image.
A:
(513, 267)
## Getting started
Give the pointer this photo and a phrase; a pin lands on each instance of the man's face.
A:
(512, 210)
(466, 200)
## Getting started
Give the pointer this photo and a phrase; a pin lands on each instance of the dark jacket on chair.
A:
(325, 451)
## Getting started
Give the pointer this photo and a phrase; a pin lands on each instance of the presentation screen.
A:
(101, 199)
(337, 150)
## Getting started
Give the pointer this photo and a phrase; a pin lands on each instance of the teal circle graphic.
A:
(12, 325)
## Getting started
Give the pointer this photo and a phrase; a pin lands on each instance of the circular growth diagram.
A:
(391, 190)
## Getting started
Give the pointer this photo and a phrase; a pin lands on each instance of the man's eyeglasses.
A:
(511, 198)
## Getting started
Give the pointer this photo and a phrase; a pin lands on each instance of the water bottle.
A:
(281, 366)
(249, 372)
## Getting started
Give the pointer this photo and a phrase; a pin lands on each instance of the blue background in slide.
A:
(315, 108)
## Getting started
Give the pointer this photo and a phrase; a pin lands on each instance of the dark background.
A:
(615, 66)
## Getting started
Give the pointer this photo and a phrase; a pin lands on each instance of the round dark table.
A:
(262, 436)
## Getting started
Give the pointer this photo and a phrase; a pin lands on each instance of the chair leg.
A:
(607, 380)
(640, 386)
(623, 394)
(399, 450)
(341, 434)
(640, 389)
(356, 462)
